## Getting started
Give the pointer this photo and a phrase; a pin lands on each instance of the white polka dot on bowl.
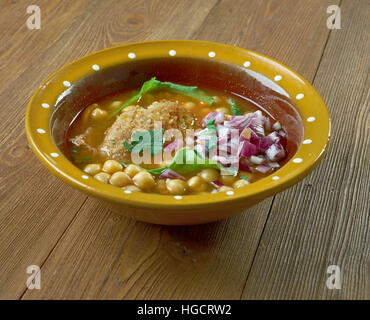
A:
(211, 54)
(132, 55)
(278, 77)
(66, 83)
(96, 67)
(172, 53)
(54, 154)
(178, 197)
(299, 96)
(127, 191)
(311, 119)
(39, 130)
(45, 105)
(275, 178)
(307, 141)
(230, 193)
(297, 160)
(247, 64)
(85, 177)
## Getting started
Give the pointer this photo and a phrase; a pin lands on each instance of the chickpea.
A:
(190, 105)
(132, 169)
(144, 180)
(102, 177)
(87, 113)
(115, 104)
(227, 179)
(240, 183)
(112, 166)
(223, 110)
(120, 179)
(197, 184)
(176, 186)
(224, 189)
(161, 186)
(98, 114)
(93, 168)
(210, 175)
(131, 188)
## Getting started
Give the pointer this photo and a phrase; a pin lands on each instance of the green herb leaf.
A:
(124, 164)
(211, 125)
(244, 178)
(74, 150)
(190, 91)
(153, 84)
(234, 108)
(188, 160)
(157, 171)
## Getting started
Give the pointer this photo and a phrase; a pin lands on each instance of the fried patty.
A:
(136, 118)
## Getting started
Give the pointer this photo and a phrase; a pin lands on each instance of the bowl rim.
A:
(307, 157)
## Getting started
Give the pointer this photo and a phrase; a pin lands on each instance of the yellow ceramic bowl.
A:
(78, 84)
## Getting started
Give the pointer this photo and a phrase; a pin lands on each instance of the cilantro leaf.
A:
(235, 110)
(153, 84)
(188, 160)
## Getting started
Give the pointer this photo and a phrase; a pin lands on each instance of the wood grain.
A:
(117, 258)
(325, 220)
(26, 45)
(36, 208)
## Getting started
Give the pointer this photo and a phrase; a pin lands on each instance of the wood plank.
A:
(20, 46)
(117, 258)
(37, 210)
(325, 220)
(34, 209)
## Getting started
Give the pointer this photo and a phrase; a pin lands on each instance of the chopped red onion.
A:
(255, 139)
(217, 184)
(266, 142)
(275, 152)
(257, 122)
(247, 150)
(170, 174)
(276, 126)
(219, 117)
(267, 123)
(257, 159)
(274, 165)
(263, 168)
(244, 167)
(238, 122)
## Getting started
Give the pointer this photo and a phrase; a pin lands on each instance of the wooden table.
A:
(279, 249)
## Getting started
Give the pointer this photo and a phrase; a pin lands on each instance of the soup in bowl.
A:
(178, 132)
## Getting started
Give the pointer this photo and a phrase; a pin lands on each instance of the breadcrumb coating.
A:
(137, 118)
